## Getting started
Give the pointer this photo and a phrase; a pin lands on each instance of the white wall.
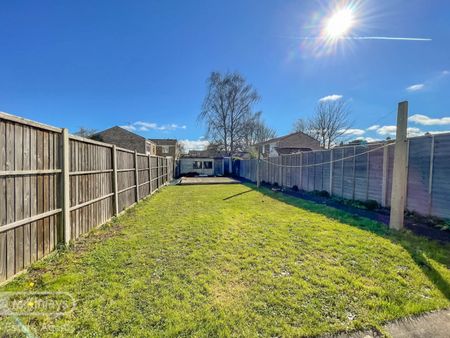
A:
(187, 166)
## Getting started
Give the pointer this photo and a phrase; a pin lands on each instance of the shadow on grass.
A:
(238, 194)
(420, 249)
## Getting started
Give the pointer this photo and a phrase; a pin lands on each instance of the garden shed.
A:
(210, 166)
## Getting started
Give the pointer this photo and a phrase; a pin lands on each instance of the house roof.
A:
(281, 138)
(116, 129)
(164, 141)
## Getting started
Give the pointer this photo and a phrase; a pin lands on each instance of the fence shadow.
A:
(418, 249)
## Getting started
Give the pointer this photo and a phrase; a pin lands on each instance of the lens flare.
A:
(339, 24)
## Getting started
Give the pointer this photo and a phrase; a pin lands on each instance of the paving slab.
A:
(207, 180)
(430, 325)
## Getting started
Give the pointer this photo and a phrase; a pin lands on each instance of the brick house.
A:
(166, 147)
(126, 139)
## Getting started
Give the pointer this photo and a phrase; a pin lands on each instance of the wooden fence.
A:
(55, 187)
(364, 172)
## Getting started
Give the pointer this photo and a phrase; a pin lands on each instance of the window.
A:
(197, 165)
(165, 149)
(207, 164)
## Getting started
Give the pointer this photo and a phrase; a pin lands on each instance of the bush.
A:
(371, 204)
(324, 193)
(295, 188)
(321, 193)
(275, 185)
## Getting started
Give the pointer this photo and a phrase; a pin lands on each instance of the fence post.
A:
(149, 157)
(399, 174)
(385, 174)
(354, 172)
(115, 185)
(331, 171)
(301, 171)
(258, 168)
(367, 173)
(65, 187)
(430, 181)
(342, 172)
(280, 170)
(136, 175)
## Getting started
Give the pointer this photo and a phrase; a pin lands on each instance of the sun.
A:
(339, 23)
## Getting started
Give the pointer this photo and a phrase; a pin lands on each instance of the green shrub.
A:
(371, 204)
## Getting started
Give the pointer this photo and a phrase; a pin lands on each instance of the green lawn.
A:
(229, 260)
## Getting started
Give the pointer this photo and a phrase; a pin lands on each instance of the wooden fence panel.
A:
(91, 193)
(26, 194)
(31, 188)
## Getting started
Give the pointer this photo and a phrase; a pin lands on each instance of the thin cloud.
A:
(429, 121)
(333, 97)
(387, 130)
(368, 139)
(374, 127)
(199, 144)
(391, 131)
(415, 87)
(129, 127)
(146, 126)
(353, 132)
(414, 132)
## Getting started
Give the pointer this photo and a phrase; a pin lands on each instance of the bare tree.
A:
(85, 132)
(257, 131)
(227, 108)
(300, 125)
(330, 122)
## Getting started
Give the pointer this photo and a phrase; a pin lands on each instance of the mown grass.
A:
(230, 260)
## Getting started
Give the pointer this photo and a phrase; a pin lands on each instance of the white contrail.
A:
(396, 38)
(385, 38)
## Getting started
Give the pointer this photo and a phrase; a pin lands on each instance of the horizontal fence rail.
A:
(55, 187)
(364, 172)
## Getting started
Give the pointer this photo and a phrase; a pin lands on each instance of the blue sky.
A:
(102, 63)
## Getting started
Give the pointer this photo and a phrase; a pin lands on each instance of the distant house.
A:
(288, 144)
(166, 147)
(126, 139)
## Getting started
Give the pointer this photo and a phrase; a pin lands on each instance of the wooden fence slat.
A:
(10, 190)
(18, 195)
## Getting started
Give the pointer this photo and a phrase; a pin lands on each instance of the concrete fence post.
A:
(384, 177)
(354, 173)
(331, 171)
(430, 181)
(399, 175)
(258, 168)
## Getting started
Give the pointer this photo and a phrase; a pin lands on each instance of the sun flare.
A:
(339, 23)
